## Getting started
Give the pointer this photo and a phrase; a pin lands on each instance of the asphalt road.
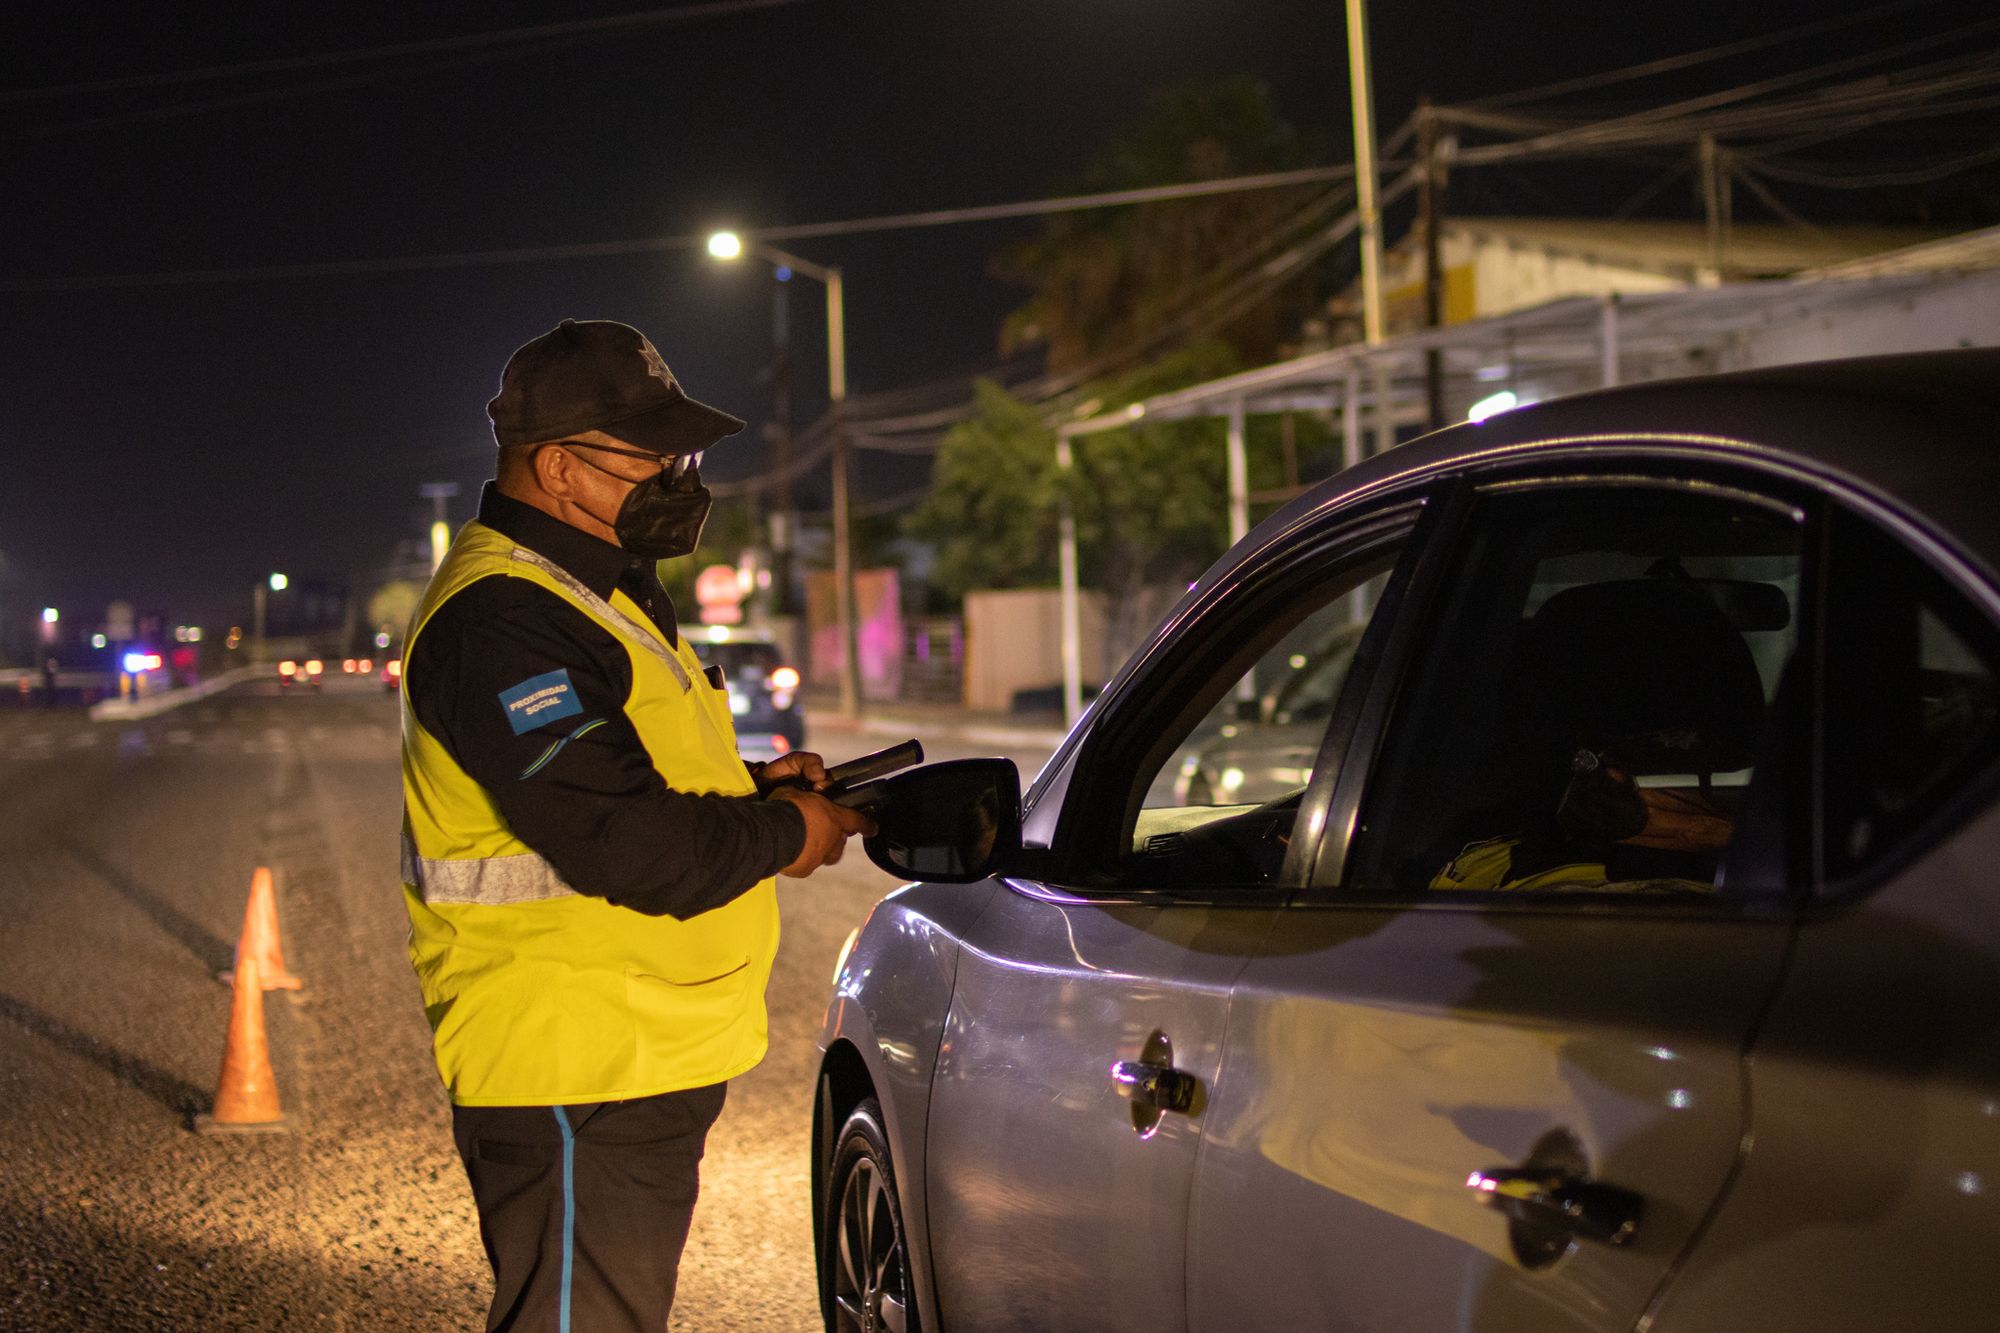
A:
(126, 851)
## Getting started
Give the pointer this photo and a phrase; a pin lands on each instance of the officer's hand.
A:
(800, 766)
(828, 827)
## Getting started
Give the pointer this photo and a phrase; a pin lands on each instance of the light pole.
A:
(437, 492)
(258, 597)
(727, 246)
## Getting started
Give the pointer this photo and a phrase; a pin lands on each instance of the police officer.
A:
(586, 861)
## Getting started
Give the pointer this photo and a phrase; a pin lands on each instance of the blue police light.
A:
(136, 662)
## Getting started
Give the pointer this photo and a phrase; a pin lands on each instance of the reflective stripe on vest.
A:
(649, 642)
(493, 880)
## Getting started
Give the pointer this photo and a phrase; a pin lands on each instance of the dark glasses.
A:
(675, 466)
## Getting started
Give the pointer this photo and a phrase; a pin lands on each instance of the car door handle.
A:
(1160, 1087)
(1584, 1208)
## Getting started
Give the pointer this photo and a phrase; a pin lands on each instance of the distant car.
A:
(1258, 747)
(309, 672)
(392, 675)
(1626, 953)
(763, 688)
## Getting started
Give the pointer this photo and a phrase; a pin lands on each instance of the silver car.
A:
(1626, 955)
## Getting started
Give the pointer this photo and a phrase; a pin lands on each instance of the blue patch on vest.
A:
(540, 700)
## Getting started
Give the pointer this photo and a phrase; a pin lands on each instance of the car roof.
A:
(1914, 433)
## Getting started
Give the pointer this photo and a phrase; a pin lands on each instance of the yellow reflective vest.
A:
(539, 995)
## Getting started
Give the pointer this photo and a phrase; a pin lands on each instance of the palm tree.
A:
(1110, 279)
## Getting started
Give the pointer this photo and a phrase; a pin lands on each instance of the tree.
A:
(1108, 279)
(1149, 499)
(991, 512)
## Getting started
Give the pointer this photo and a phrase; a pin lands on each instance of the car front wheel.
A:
(865, 1272)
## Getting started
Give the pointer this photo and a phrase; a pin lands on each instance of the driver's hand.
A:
(800, 768)
(1602, 803)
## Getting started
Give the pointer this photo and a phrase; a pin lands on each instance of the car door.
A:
(1870, 1199)
(1486, 1073)
(1089, 1011)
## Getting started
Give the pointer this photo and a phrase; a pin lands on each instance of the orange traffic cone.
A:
(246, 1097)
(260, 936)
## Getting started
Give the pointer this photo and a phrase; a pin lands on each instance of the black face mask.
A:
(663, 515)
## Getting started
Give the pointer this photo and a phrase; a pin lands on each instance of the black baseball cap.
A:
(598, 374)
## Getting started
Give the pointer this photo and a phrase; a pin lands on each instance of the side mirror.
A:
(953, 822)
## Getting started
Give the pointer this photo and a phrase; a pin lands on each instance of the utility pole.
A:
(784, 512)
(843, 536)
(1367, 211)
(727, 245)
(1430, 203)
(1715, 207)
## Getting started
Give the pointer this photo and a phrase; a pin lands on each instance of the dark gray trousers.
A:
(584, 1209)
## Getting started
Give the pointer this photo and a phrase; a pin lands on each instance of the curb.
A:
(131, 710)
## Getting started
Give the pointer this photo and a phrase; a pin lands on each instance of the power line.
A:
(1877, 97)
(1636, 125)
(656, 244)
(278, 93)
(1749, 181)
(1223, 284)
(1204, 316)
(1834, 179)
(1195, 317)
(1151, 194)
(894, 503)
(802, 462)
(1552, 133)
(1667, 64)
(1648, 193)
(1211, 310)
(575, 28)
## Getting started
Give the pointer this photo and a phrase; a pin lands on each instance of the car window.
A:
(1259, 740)
(1228, 768)
(1913, 711)
(1588, 712)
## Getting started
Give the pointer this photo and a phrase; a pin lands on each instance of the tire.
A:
(864, 1276)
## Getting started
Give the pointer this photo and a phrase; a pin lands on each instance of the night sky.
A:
(169, 445)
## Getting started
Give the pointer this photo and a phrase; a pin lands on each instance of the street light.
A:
(727, 245)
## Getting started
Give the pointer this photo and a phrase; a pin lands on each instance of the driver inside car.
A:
(1624, 679)
(1601, 808)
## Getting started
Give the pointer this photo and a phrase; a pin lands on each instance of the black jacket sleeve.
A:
(580, 788)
